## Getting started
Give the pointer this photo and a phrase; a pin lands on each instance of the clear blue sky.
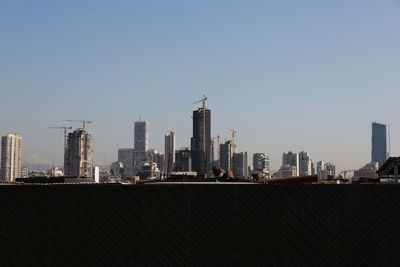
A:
(288, 75)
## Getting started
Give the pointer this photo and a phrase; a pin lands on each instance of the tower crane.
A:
(233, 134)
(65, 128)
(81, 121)
(203, 100)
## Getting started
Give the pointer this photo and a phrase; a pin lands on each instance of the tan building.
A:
(11, 157)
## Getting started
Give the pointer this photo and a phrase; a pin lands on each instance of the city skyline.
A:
(142, 128)
(287, 76)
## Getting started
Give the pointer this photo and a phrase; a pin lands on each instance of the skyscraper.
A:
(141, 136)
(11, 157)
(380, 143)
(169, 151)
(240, 165)
(79, 154)
(226, 155)
(201, 141)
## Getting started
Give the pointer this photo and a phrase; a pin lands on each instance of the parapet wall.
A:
(200, 224)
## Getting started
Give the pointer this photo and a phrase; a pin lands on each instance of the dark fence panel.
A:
(199, 224)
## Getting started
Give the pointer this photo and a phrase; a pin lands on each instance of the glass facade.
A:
(380, 145)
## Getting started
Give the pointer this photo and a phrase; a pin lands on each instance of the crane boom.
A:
(84, 122)
(203, 100)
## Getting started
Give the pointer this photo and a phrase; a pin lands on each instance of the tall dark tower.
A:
(380, 143)
(201, 140)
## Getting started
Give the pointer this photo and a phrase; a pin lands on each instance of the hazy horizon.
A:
(307, 76)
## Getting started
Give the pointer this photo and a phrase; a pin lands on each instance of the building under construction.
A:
(79, 154)
(201, 140)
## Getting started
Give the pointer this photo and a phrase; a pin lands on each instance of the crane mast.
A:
(233, 131)
(65, 128)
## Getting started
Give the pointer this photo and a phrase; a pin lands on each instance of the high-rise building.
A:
(160, 160)
(321, 173)
(214, 152)
(326, 170)
(126, 157)
(330, 170)
(240, 165)
(155, 157)
(79, 154)
(169, 151)
(261, 163)
(201, 141)
(291, 159)
(305, 164)
(11, 157)
(139, 158)
(287, 171)
(380, 143)
(141, 136)
(183, 160)
(96, 174)
(226, 154)
(313, 172)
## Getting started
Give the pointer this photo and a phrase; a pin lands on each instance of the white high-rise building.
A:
(96, 174)
(11, 157)
(291, 159)
(261, 163)
(141, 136)
(169, 151)
(305, 164)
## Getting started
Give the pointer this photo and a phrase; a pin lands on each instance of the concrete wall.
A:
(200, 225)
